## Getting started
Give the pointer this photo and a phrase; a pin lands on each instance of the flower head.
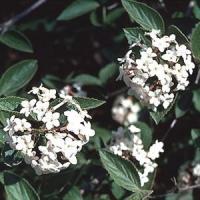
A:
(159, 71)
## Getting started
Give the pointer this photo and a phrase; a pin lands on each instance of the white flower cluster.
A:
(73, 90)
(131, 146)
(52, 142)
(125, 111)
(158, 71)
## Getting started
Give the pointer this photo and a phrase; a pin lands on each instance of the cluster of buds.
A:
(73, 90)
(125, 111)
(51, 132)
(130, 146)
(157, 71)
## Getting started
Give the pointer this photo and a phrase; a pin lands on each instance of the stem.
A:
(6, 25)
(198, 77)
(173, 123)
(180, 190)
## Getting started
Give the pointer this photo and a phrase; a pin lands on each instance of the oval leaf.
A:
(134, 35)
(146, 134)
(144, 15)
(16, 40)
(88, 103)
(17, 188)
(195, 40)
(122, 171)
(17, 76)
(108, 72)
(87, 79)
(78, 8)
(10, 103)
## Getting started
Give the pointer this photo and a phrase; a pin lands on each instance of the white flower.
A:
(10, 125)
(170, 55)
(21, 125)
(51, 120)
(47, 94)
(155, 150)
(182, 51)
(143, 178)
(196, 170)
(153, 34)
(87, 131)
(43, 93)
(27, 107)
(40, 109)
(48, 151)
(23, 143)
(134, 129)
(74, 121)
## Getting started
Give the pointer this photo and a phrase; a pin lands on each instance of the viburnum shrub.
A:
(128, 130)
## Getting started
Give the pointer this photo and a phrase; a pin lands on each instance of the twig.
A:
(6, 25)
(124, 89)
(180, 190)
(198, 77)
(189, 8)
(173, 123)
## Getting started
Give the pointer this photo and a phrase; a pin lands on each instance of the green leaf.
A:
(94, 19)
(7, 107)
(102, 133)
(196, 99)
(195, 133)
(144, 15)
(87, 79)
(183, 104)
(88, 103)
(196, 9)
(142, 195)
(108, 72)
(180, 36)
(146, 134)
(134, 35)
(10, 103)
(17, 188)
(2, 138)
(16, 40)
(117, 191)
(74, 194)
(113, 15)
(17, 76)
(78, 8)
(122, 171)
(185, 195)
(195, 41)
(10, 157)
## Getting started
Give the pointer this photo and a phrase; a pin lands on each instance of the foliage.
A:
(73, 46)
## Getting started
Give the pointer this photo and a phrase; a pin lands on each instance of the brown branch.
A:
(173, 123)
(6, 25)
(179, 190)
